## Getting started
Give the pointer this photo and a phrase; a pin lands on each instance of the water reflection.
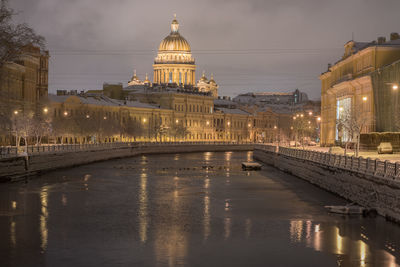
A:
(13, 236)
(206, 222)
(249, 156)
(207, 156)
(328, 238)
(44, 197)
(143, 199)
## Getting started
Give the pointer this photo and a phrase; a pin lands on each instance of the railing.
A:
(10, 152)
(375, 167)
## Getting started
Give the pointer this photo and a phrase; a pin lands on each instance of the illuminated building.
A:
(174, 62)
(347, 86)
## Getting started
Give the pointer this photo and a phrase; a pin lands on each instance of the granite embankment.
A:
(370, 183)
(19, 168)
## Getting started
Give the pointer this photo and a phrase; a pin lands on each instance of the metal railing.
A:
(10, 152)
(374, 167)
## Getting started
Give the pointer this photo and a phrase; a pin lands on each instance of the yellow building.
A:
(174, 62)
(347, 86)
(25, 81)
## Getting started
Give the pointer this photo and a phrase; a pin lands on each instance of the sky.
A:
(249, 46)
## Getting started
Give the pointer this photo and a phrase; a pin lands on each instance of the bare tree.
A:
(14, 37)
(353, 122)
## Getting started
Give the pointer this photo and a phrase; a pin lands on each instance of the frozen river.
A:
(196, 209)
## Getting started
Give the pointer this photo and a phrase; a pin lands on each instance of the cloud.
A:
(275, 45)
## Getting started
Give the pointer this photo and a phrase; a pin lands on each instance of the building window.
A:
(170, 77)
(180, 77)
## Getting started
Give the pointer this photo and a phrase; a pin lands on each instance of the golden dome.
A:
(174, 42)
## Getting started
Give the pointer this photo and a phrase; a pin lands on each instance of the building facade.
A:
(347, 87)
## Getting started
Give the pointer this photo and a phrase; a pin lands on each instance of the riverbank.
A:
(22, 167)
(370, 183)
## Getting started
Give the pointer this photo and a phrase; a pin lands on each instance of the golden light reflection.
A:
(308, 232)
(317, 237)
(390, 260)
(363, 252)
(249, 156)
(339, 242)
(206, 217)
(207, 156)
(228, 156)
(143, 202)
(14, 205)
(44, 197)
(87, 177)
(296, 230)
(13, 235)
(176, 157)
(227, 205)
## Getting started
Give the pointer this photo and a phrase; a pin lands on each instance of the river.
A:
(192, 209)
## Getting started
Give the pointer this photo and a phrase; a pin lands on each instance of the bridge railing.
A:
(374, 167)
(9, 152)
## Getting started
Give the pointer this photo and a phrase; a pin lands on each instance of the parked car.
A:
(385, 148)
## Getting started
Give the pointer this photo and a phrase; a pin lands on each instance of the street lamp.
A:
(45, 110)
(310, 113)
(16, 112)
(65, 113)
(87, 116)
(105, 117)
(229, 123)
(207, 122)
(364, 98)
(319, 119)
(294, 117)
(176, 121)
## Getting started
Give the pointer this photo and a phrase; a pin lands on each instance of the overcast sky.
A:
(252, 45)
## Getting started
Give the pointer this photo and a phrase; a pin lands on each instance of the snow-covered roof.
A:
(233, 111)
(101, 100)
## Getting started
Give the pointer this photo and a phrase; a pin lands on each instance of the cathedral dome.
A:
(174, 43)
(174, 48)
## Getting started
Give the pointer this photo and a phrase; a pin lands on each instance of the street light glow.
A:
(16, 112)
(341, 109)
(45, 110)
(302, 115)
(395, 87)
(364, 98)
(294, 117)
(177, 121)
(275, 127)
(319, 119)
(229, 123)
(105, 117)
(310, 113)
(65, 113)
(144, 120)
(87, 116)
(208, 123)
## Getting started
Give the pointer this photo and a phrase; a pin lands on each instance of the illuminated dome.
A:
(174, 62)
(174, 48)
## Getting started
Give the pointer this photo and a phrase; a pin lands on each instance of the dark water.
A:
(171, 210)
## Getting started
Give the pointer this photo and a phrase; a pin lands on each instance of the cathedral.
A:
(174, 64)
